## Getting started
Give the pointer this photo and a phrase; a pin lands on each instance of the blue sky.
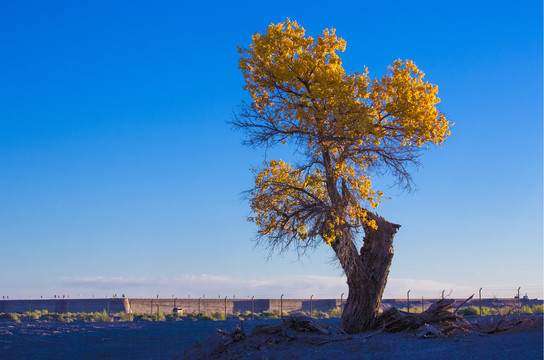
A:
(120, 174)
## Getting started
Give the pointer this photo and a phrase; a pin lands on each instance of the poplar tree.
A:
(345, 127)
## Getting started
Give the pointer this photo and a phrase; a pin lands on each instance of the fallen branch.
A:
(463, 303)
(440, 312)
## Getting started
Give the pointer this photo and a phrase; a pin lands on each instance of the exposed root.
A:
(235, 336)
(441, 319)
(295, 327)
(439, 313)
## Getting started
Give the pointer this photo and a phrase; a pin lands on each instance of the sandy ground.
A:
(168, 340)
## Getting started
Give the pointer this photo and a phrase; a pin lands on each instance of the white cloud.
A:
(297, 286)
(398, 288)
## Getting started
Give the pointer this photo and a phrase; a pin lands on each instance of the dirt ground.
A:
(170, 340)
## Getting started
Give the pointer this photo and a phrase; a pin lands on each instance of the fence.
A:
(410, 299)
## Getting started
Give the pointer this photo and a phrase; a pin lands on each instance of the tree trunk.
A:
(366, 273)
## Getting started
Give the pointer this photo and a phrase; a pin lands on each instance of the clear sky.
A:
(119, 172)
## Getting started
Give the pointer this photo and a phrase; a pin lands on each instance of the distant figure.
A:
(157, 296)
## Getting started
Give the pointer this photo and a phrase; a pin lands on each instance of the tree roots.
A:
(440, 319)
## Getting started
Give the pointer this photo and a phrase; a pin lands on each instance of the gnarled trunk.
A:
(366, 273)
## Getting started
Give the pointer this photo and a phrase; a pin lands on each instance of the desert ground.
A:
(176, 340)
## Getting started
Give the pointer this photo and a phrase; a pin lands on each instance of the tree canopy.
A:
(347, 127)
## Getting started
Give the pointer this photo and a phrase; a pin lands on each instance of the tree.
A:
(345, 128)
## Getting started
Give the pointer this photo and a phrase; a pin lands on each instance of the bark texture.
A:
(366, 271)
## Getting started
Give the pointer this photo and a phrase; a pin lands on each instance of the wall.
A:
(231, 306)
(207, 306)
(64, 305)
(204, 306)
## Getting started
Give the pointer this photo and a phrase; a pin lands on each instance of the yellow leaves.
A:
(280, 197)
(301, 81)
(295, 70)
(410, 103)
(372, 224)
(342, 123)
(284, 199)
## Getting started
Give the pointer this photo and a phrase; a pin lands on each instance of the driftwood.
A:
(235, 336)
(302, 323)
(439, 319)
(505, 324)
(441, 314)
(463, 303)
(299, 328)
(311, 330)
(442, 319)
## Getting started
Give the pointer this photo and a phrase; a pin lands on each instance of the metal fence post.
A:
(443, 293)
(199, 306)
(252, 308)
(480, 301)
(281, 306)
(225, 308)
(311, 308)
(342, 304)
(519, 302)
(408, 297)
(422, 306)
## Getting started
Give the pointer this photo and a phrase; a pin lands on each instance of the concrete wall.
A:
(207, 306)
(203, 306)
(64, 305)
(298, 305)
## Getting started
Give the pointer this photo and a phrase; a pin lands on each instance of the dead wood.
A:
(303, 323)
(303, 330)
(294, 328)
(463, 303)
(267, 329)
(441, 314)
(504, 324)
(235, 336)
